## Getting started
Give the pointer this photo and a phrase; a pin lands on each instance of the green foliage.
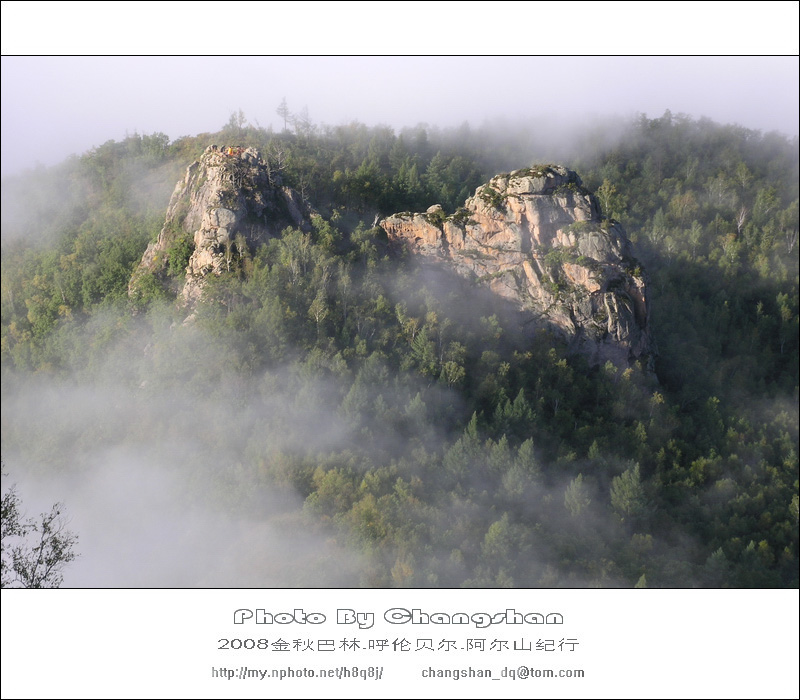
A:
(437, 218)
(474, 454)
(461, 217)
(579, 227)
(612, 203)
(556, 257)
(148, 290)
(540, 170)
(492, 197)
(628, 496)
(577, 496)
(178, 255)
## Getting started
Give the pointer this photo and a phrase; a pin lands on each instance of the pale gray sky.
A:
(53, 106)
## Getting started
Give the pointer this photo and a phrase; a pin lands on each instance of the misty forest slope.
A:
(341, 411)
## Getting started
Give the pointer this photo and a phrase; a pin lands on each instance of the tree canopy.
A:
(477, 455)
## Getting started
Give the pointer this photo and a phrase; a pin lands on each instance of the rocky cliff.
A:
(229, 201)
(537, 237)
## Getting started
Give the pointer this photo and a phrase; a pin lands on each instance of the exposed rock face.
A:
(228, 202)
(537, 238)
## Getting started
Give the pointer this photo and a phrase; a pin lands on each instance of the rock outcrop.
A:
(229, 202)
(537, 238)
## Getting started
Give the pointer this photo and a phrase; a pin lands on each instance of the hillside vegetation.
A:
(393, 412)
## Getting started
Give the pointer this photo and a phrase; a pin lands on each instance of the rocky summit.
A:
(537, 237)
(229, 201)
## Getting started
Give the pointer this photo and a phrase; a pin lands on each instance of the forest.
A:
(340, 414)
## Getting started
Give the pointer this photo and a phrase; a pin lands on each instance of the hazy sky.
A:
(53, 106)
